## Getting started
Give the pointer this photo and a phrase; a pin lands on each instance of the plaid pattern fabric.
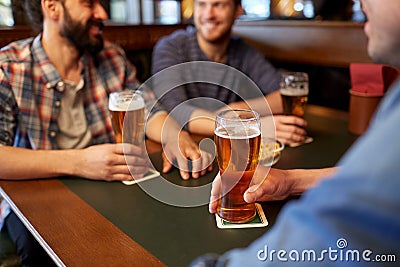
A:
(31, 91)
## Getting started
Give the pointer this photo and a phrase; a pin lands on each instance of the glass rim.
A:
(127, 92)
(256, 116)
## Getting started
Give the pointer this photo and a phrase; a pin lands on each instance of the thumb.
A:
(250, 195)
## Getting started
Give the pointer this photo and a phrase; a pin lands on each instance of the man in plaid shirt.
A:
(54, 117)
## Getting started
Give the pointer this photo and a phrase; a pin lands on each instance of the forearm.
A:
(21, 163)
(263, 105)
(274, 100)
(154, 126)
(162, 128)
(202, 122)
(304, 179)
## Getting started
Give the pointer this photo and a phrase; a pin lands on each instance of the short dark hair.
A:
(35, 15)
(238, 2)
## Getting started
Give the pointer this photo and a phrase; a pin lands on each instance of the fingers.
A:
(196, 160)
(287, 119)
(129, 161)
(200, 162)
(136, 166)
(129, 149)
(134, 160)
(215, 194)
(167, 165)
(290, 129)
(138, 171)
(183, 166)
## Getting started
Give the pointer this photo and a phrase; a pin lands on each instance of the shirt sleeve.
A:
(4, 211)
(8, 111)
(166, 83)
(353, 214)
(254, 64)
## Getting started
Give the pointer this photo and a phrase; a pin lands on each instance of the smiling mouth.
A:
(209, 25)
(96, 26)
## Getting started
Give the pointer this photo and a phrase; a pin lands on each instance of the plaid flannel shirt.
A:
(31, 91)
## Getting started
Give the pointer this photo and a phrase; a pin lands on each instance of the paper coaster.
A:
(259, 221)
(307, 140)
(150, 175)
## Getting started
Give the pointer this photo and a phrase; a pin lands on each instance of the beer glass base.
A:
(236, 219)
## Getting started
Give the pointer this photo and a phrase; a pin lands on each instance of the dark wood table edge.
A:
(89, 225)
(31, 229)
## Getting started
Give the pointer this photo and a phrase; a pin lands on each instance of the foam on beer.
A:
(237, 133)
(125, 104)
(294, 91)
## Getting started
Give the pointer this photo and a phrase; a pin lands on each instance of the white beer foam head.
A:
(291, 91)
(234, 132)
(126, 102)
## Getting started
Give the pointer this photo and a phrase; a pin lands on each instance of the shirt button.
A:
(53, 134)
(60, 86)
(58, 103)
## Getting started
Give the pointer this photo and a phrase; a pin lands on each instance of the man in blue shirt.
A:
(351, 218)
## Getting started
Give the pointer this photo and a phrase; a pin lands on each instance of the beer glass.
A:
(237, 137)
(128, 105)
(294, 92)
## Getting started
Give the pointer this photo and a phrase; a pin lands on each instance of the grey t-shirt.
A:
(182, 47)
(72, 124)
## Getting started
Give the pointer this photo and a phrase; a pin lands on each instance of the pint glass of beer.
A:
(237, 137)
(127, 109)
(294, 92)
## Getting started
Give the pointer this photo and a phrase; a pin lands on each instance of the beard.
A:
(79, 34)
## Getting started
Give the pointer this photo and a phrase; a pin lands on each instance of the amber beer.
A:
(237, 154)
(294, 104)
(127, 111)
(294, 93)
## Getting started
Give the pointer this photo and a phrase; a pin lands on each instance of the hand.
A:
(290, 129)
(215, 194)
(276, 186)
(273, 185)
(182, 150)
(280, 184)
(112, 162)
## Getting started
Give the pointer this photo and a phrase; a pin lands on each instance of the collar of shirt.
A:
(49, 73)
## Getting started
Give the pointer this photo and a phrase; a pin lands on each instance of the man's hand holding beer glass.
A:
(276, 184)
(294, 94)
(128, 114)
